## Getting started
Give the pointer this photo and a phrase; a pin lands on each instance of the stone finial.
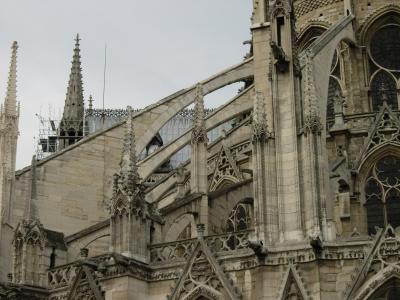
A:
(126, 183)
(199, 132)
(384, 95)
(10, 105)
(338, 108)
(200, 229)
(338, 103)
(260, 127)
(129, 168)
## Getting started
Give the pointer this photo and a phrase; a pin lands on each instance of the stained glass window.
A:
(385, 44)
(239, 218)
(383, 87)
(384, 61)
(382, 192)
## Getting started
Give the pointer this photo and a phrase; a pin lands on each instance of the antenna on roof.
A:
(104, 80)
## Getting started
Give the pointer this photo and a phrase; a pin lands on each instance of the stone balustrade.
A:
(62, 276)
(181, 250)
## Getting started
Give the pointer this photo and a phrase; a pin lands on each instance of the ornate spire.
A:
(10, 105)
(260, 127)
(128, 160)
(73, 109)
(312, 119)
(199, 132)
(127, 181)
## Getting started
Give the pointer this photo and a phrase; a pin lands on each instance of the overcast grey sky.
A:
(154, 48)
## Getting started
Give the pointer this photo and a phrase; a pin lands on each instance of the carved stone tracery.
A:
(226, 169)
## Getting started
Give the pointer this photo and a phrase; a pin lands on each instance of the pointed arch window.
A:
(384, 64)
(383, 86)
(336, 79)
(239, 218)
(382, 193)
(388, 291)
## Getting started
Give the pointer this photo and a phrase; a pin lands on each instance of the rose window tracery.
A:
(382, 193)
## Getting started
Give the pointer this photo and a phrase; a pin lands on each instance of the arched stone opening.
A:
(373, 193)
(382, 194)
(388, 291)
(309, 35)
(381, 37)
(384, 285)
(184, 227)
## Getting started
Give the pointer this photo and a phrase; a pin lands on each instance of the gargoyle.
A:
(282, 62)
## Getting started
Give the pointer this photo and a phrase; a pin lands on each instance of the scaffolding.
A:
(47, 141)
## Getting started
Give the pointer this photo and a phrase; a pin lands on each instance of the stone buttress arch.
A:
(145, 125)
(178, 225)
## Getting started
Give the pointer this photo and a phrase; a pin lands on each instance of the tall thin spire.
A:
(127, 180)
(128, 163)
(73, 109)
(10, 105)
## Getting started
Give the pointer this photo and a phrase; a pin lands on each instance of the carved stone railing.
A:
(62, 276)
(180, 250)
(174, 251)
(123, 113)
(154, 178)
(228, 242)
(238, 149)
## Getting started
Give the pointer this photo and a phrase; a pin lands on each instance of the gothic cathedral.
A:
(299, 198)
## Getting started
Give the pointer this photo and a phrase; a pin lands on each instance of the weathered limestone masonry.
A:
(300, 199)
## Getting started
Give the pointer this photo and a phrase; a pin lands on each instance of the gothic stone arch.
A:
(374, 20)
(377, 281)
(178, 225)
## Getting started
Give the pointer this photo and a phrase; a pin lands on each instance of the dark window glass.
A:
(333, 90)
(385, 44)
(383, 86)
(375, 214)
(239, 218)
(382, 192)
(393, 207)
(394, 293)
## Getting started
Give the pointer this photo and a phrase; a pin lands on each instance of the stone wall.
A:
(73, 184)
